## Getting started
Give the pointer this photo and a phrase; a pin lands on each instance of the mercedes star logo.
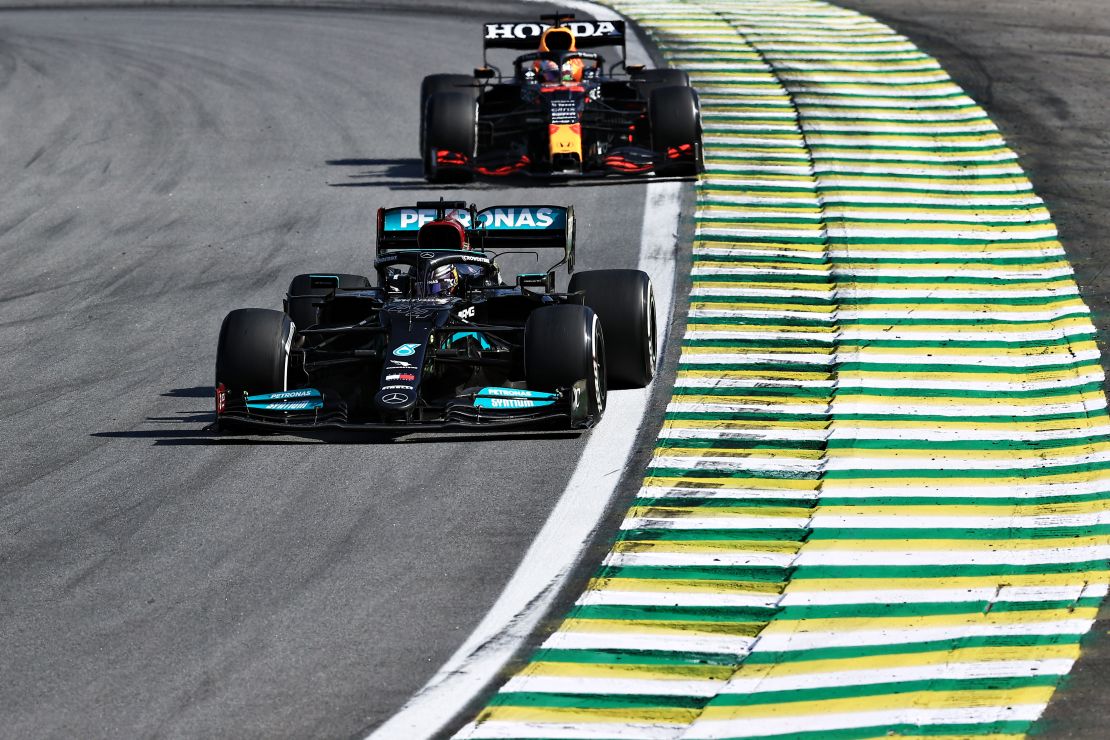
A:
(395, 398)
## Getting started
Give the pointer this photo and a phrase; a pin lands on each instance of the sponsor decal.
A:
(287, 406)
(513, 403)
(417, 309)
(396, 388)
(400, 363)
(395, 398)
(509, 403)
(512, 398)
(466, 313)
(564, 112)
(522, 218)
(407, 303)
(577, 399)
(298, 393)
(514, 217)
(300, 399)
(401, 376)
(411, 219)
(516, 393)
(406, 350)
(581, 29)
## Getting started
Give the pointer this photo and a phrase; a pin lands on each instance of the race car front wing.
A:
(310, 409)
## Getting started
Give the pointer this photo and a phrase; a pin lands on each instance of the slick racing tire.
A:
(451, 124)
(625, 304)
(438, 83)
(563, 345)
(252, 355)
(649, 79)
(304, 290)
(675, 122)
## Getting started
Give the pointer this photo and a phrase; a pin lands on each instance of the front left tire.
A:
(563, 345)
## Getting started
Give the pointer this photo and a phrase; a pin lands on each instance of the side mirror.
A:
(537, 280)
(483, 73)
(634, 69)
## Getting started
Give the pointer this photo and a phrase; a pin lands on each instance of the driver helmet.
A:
(571, 71)
(548, 72)
(443, 281)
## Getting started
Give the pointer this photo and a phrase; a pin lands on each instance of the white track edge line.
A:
(559, 545)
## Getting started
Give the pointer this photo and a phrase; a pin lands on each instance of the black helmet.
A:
(443, 281)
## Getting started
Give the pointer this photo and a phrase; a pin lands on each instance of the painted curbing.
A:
(878, 504)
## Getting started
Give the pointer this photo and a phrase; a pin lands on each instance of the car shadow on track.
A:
(378, 172)
(197, 391)
(408, 174)
(198, 428)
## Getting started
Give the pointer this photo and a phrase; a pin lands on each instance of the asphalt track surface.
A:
(163, 167)
(157, 581)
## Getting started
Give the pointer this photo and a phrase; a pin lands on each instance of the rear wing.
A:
(592, 34)
(493, 228)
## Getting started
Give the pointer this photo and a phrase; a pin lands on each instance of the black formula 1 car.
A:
(560, 112)
(442, 340)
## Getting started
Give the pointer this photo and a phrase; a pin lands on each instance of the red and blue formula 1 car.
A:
(560, 111)
(441, 340)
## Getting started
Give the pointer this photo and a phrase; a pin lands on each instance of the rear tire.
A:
(252, 355)
(650, 79)
(563, 345)
(675, 122)
(625, 304)
(450, 123)
(305, 289)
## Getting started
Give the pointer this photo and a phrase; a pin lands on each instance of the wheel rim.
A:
(599, 376)
(653, 349)
(474, 150)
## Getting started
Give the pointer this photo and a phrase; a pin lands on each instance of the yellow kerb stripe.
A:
(885, 702)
